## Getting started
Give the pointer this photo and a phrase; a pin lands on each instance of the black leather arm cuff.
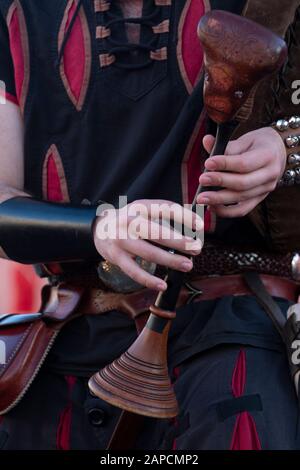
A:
(33, 231)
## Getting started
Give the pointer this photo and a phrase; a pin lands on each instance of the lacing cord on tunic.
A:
(116, 46)
(280, 83)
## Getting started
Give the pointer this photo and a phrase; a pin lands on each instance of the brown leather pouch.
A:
(25, 341)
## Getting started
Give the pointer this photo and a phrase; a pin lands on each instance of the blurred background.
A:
(19, 288)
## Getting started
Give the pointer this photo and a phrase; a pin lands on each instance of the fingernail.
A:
(206, 180)
(211, 165)
(198, 224)
(187, 266)
(196, 245)
(203, 200)
(161, 286)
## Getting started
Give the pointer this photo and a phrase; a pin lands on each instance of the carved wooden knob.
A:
(238, 53)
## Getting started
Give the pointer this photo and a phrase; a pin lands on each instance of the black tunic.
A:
(104, 118)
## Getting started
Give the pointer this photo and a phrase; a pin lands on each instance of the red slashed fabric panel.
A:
(55, 187)
(54, 191)
(191, 169)
(54, 181)
(20, 52)
(245, 436)
(75, 67)
(189, 51)
(65, 421)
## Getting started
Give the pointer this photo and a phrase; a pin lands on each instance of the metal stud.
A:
(296, 267)
(289, 178)
(292, 141)
(297, 177)
(282, 125)
(293, 159)
(294, 122)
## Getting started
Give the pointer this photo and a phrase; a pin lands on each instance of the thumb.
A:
(208, 143)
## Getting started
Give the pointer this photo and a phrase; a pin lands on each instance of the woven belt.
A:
(222, 260)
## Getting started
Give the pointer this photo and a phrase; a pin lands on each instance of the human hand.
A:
(134, 230)
(248, 172)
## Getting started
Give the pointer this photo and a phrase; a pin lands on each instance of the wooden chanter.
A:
(238, 53)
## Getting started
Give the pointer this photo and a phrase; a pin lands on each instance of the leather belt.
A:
(97, 301)
(214, 287)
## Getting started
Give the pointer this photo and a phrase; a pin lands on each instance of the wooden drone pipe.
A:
(238, 53)
(237, 56)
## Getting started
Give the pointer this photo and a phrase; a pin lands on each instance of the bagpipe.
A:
(238, 54)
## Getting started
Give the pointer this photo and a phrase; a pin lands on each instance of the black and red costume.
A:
(105, 118)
